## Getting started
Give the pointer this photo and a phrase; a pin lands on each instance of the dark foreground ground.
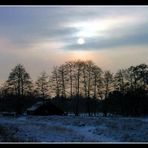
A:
(73, 129)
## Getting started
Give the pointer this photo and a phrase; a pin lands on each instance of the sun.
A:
(81, 41)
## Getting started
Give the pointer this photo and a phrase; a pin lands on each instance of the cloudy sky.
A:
(42, 37)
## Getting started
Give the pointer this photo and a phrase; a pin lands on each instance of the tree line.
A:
(83, 87)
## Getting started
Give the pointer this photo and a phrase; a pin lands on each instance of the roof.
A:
(35, 106)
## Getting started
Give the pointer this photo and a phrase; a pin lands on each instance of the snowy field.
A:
(73, 129)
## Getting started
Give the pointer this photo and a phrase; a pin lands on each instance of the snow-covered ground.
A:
(73, 129)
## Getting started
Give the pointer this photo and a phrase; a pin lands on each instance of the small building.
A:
(44, 108)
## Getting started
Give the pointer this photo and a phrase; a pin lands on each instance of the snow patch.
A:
(76, 129)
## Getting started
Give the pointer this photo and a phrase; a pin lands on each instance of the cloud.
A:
(116, 37)
(27, 25)
(40, 37)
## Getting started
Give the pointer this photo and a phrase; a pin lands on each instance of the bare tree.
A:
(85, 79)
(141, 72)
(97, 79)
(19, 80)
(77, 75)
(70, 68)
(108, 80)
(62, 79)
(89, 77)
(42, 85)
(120, 81)
(55, 83)
(78, 66)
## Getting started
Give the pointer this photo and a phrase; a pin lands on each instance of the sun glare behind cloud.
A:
(81, 41)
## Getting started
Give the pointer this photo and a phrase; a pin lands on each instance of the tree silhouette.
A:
(42, 85)
(82, 86)
(108, 81)
(19, 80)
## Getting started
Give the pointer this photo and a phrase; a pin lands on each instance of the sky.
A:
(41, 37)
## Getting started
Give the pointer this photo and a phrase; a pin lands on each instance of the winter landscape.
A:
(73, 74)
